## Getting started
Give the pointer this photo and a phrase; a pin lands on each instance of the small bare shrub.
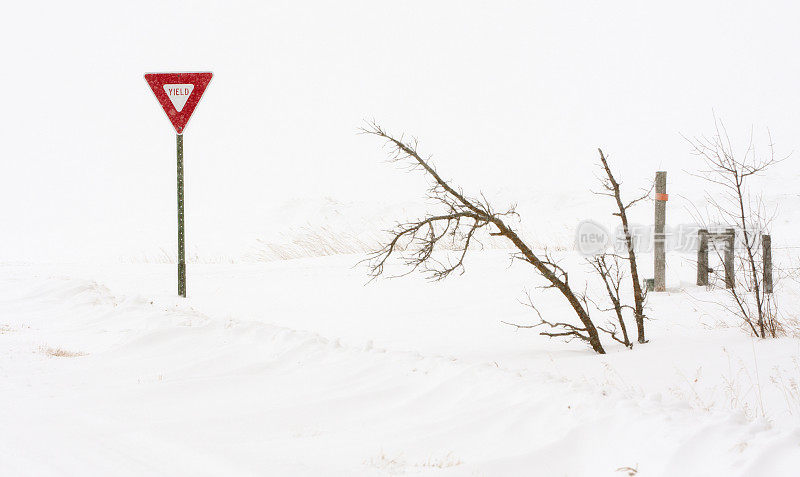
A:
(731, 171)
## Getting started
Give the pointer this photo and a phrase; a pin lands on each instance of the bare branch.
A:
(463, 219)
(611, 185)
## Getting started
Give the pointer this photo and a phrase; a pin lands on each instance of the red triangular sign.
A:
(178, 94)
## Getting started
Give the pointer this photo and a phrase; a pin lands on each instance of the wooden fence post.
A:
(730, 242)
(659, 239)
(766, 242)
(702, 257)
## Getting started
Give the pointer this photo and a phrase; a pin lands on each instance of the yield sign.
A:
(178, 94)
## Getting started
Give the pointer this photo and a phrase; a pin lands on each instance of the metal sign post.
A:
(181, 232)
(178, 94)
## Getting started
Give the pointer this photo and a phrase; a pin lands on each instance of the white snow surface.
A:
(295, 367)
(283, 361)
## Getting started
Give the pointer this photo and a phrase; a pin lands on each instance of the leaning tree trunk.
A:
(463, 218)
(556, 282)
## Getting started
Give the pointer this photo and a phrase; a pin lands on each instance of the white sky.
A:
(510, 97)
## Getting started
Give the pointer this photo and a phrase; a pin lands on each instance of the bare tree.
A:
(458, 224)
(737, 206)
(612, 189)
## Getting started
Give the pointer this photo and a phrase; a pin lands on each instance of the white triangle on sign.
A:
(178, 94)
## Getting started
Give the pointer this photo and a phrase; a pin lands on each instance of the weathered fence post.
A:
(702, 257)
(766, 242)
(659, 239)
(730, 241)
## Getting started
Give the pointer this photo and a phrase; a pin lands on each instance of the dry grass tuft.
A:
(398, 464)
(443, 462)
(60, 353)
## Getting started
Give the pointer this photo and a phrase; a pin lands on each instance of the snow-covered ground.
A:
(282, 361)
(295, 367)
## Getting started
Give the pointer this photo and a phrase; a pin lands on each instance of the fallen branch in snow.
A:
(631, 471)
